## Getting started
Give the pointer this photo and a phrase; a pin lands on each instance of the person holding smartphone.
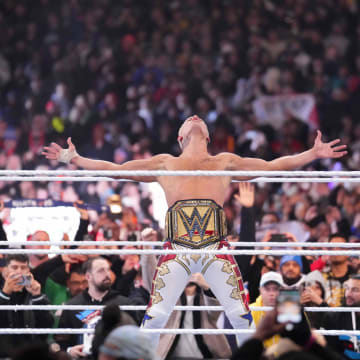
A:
(20, 288)
(297, 340)
(270, 285)
(313, 293)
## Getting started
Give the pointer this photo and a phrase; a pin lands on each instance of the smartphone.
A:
(25, 280)
(278, 238)
(288, 307)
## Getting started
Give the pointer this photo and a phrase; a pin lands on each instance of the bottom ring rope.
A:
(165, 331)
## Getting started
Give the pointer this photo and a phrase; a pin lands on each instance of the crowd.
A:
(322, 281)
(119, 77)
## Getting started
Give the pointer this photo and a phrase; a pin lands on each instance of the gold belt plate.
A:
(196, 223)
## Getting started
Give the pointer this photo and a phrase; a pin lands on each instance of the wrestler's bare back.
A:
(198, 187)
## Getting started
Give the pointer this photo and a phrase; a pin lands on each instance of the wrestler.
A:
(195, 218)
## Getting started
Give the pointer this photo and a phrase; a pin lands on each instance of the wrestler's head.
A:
(193, 125)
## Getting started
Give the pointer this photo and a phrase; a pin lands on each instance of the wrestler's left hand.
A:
(199, 279)
(328, 150)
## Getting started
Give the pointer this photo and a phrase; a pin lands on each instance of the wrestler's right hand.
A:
(56, 152)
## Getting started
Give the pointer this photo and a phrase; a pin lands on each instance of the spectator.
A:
(269, 218)
(299, 343)
(59, 294)
(76, 283)
(37, 259)
(99, 148)
(337, 273)
(250, 266)
(313, 293)
(270, 285)
(347, 346)
(128, 273)
(111, 318)
(127, 342)
(291, 271)
(39, 351)
(13, 292)
(98, 293)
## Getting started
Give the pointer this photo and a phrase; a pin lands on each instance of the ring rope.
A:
(259, 179)
(161, 243)
(85, 177)
(58, 178)
(83, 173)
(176, 308)
(178, 252)
(162, 331)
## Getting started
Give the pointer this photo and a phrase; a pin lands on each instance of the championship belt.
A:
(195, 223)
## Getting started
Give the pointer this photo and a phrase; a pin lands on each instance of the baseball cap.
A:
(129, 342)
(271, 276)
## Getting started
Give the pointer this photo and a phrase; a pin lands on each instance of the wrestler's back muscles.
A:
(199, 187)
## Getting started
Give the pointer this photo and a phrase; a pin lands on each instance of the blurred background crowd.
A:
(120, 77)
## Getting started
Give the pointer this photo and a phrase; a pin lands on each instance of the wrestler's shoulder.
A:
(227, 160)
(164, 161)
(163, 157)
(225, 156)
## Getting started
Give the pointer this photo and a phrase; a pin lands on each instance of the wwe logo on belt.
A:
(196, 224)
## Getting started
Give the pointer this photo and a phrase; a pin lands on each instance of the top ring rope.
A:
(150, 173)
(261, 176)
(82, 173)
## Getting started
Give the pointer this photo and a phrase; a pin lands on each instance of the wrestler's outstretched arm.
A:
(320, 150)
(56, 152)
